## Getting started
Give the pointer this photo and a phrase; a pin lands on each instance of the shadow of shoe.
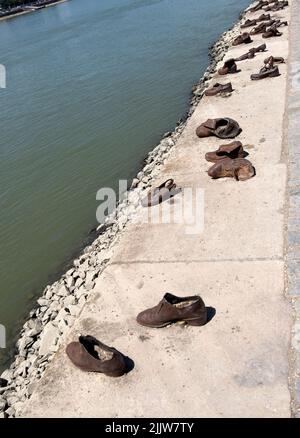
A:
(211, 311)
(129, 364)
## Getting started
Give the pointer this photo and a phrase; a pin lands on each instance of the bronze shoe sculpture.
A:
(91, 355)
(159, 194)
(259, 5)
(271, 32)
(263, 17)
(222, 128)
(261, 48)
(219, 88)
(248, 55)
(238, 168)
(231, 150)
(274, 60)
(244, 38)
(171, 309)
(269, 71)
(229, 67)
(262, 27)
(248, 23)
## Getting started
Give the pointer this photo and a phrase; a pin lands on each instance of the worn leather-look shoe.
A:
(266, 72)
(173, 309)
(229, 67)
(223, 128)
(248, 23)
(263, 17)
(231, 150)
(248, 55)
(261, 48)
(244, 38)
(162, 193)
(239, 168)
(219, 88)
(272, 32)
(91, 355)
(262, 27)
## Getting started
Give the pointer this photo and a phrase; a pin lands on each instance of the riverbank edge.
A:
(63, 301)
(18, 14)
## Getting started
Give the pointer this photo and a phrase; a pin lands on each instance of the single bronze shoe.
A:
(271, 60)
(231, 150)
(266, 72)
(238, 168)
(171, 309)
(262, 27)
(222, 128)
(260, 48)
(263, 17)
(229, 67)
(248, 23)
(219, 88)
(244, 38)
(271, 32)
(162, 193)
(248, 55)
(91, 355)
(259, 5)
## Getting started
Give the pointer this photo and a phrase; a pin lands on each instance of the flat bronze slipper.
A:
(248, 23)
(248, 55)
(263, 17)
(222, 127)
(262, 27)
(91, 355)
(165, 191)
(274, 60)
(231, 150)
(238, 168)
(171, 309)
(261, 48)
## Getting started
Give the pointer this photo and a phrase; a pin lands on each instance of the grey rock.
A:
(36, 329)
(10, 412)
(7, 375)
(78, 283)
(70, 282)
(3, 404)
(49, 339)
(62, 291)
(70, 300)
(42, 302)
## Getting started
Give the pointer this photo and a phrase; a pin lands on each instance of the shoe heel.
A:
(197, 321)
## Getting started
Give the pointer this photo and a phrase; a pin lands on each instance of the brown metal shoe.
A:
(91, 355)
(244, 38)
(248, 23)
(263, 17)
(162, 193)
(274, 60)
(259, 5)
(237, 168)
(229, 67)
(231, 150)
(222, 127)
(171, 309)
(261, 48)
(271, 32)
(262, 27)
(248, 55)
(266, 72)
(219, 88)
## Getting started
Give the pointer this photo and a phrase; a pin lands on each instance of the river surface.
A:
(91, 87)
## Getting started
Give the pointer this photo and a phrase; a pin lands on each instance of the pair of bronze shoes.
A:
(277, 6)
(259, 6)
(230, 162)
(224, 127)
(251, 53)
(273, 30)
(269, 70)
(89, 354)
(249, 23)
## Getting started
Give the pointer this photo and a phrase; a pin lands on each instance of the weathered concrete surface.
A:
(236, 365)
(293, 237)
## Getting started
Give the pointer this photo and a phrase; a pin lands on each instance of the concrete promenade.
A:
(238, 364)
